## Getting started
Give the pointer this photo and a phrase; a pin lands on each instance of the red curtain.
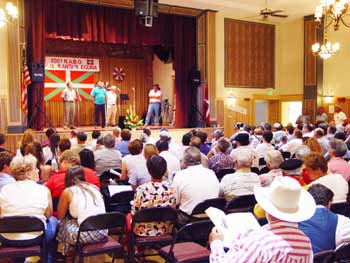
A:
(60, 19)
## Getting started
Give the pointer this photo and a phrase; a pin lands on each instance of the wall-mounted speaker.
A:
(38, 72)
(145, 8)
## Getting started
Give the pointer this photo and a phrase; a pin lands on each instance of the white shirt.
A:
(73, 141)
(342, 233)
(255, 157)
(152, 94)
(339, 118)
(91, 145)
(24, 198)
(337, 184)
(136, 169)
(194, 185)
(69, 95)
(292, 145)
(83, 203)
(176, 150)
(263, 148)
(111, 97)
(238, 184)
(173, 164)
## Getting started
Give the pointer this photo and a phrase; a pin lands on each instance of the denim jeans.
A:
(100, 110)
(153, 108)
(50, 235)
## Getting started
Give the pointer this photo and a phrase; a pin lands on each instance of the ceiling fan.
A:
(266, 12)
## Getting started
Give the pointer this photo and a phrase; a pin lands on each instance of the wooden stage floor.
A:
(175, 133)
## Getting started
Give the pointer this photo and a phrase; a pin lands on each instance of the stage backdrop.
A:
(83, 81)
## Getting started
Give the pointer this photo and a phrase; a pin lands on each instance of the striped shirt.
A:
(277, 242)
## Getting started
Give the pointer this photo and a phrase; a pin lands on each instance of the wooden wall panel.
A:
(249, 54)
(310, 73)
(310, 105)
(274, 108)
(135, 77)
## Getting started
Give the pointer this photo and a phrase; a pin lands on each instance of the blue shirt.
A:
(6, 179)
(99, 95)
(122, 146)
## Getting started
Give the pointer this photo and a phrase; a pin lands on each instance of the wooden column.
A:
(313, 67)
(206, 57)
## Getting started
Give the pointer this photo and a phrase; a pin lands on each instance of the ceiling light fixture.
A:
(335, 10)
(326, 50)
(9, 14)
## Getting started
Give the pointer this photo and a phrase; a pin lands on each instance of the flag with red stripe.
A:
(206, 107)
(26, 81)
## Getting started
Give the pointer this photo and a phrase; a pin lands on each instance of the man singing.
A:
(99, 97)
(69, 96)
(154, 104)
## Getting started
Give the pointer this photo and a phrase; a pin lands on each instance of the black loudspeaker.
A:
(121, 122)
(38, 72)
(145, 8)
(196, 78)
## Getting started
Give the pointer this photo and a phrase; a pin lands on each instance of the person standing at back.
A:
(154, 105)
(69, 97)
(99, 97)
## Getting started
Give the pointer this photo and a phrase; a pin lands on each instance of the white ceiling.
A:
(248, 8)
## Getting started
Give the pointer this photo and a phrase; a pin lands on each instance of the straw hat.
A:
(285, 200)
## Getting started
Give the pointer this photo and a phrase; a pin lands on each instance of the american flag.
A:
(26, 81)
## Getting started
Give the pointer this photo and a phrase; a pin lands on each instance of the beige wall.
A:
(336, 69)
(163, 75)
(288, 60)
(3, 77)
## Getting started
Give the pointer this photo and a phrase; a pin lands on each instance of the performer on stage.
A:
(154, 104)
(111, 105)
(69, 96)
(99, 97)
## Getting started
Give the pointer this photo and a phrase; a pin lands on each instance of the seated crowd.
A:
(295, 174)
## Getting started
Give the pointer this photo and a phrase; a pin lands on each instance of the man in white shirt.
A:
(69, 96)
(173, 163)
(195, 183)
(154, 96)
(174, 147)
(293, 144)
(146, 138)
(339, 116)
(241, 182)
(266, 145)
(111, 106)
(242, 141)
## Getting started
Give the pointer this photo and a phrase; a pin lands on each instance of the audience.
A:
(242, 141)
(27, 138)
(315, 171)
(27, 198)
(122, 145)
(87, 159)
(146, 138)
(45, 170)
(174, 148)
(134, 165)
(196, 142)
(325, 229)
(204, 148)
(116, 132)
(217, 134)
(2, 142)
(243, 181)
(80, 200)
(73, 137)
(81, 142)
(337, 164)
(91, 145)
(193, 184)
(5, 173)
(108, 157)
(280, 240)
(221, 159)
(293, 143)
(314, 145)
(156, 193)
(173, 163)
(273, 161)
(51, 150)
(266, 145)
(48, 133)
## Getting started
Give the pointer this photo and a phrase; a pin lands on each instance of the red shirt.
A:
(56, 181)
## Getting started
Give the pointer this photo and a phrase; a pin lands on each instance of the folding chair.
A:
(341, 208)
(115, 221)
(244, 203)
(327, 256)
(120, 202)
(190, 244)
(342, 253)
(198, 213)
(28, 248)
(148, 215)
(221, 173)
(107, 175)
(286, 155)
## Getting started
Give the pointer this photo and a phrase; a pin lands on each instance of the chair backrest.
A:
(264, 170)
(106, 175)
(103, 221)
(341, 208)
(154, 214)
(120, 202)
(285, 155)
(262, 161)
(255, 170)
(327, 256)
(21, 224)
(221, 173)
(244, 201)
(218, 203)
(197, 232)
(342, 253)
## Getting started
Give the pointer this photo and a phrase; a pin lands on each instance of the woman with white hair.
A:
(273, 161)
(26, 198)
(241, 182)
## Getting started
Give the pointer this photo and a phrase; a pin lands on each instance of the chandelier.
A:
(335, 10)
(9, 14)
(326, 50)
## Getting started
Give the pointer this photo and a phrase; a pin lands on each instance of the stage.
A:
(175, 133)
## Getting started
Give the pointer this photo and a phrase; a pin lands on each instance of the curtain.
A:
(92, 23)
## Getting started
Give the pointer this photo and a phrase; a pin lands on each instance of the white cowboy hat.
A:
(285, 200)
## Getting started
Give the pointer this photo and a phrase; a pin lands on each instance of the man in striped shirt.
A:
(280, 241)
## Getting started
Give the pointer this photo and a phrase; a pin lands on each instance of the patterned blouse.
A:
(153, 194)
(221, 161)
